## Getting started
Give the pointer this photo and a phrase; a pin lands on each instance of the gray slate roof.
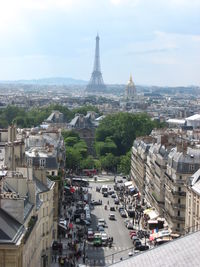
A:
(182, 252)
(10, 229)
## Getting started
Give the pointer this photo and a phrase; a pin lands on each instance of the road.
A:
(115, 229)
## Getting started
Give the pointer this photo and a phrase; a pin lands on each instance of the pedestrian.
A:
(55, 257)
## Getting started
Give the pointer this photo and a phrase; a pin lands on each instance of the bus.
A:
(89, 172)
(79, 182)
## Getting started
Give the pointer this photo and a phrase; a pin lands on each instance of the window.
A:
(192, 167)
(43, 212)
(178, 225)
(52, 173)
(178, 212)
(42, 162)
(179, 189)
(179, 201)
(47, 211)
(180, 177)
(43, 228)
(46, 227)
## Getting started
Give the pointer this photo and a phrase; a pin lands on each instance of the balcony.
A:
(178, 206)
(31, 225)
(178, 218)
(173, 217)
(169, 177)
(177, 193)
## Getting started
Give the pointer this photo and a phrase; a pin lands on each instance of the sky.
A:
(157, 41)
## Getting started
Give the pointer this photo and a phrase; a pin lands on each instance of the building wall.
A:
(155, 181)
(11, 256)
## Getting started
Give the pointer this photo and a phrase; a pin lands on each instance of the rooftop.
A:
(182, 252)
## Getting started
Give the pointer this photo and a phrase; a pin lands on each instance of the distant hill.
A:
(48, 81)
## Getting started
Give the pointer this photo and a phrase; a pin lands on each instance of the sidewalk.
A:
(70, 245)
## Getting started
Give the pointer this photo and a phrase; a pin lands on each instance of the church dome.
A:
(130, 91)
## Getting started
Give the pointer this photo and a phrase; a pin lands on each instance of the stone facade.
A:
(160, 169)
(192, 217)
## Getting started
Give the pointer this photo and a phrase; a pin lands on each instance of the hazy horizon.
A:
(156, 41)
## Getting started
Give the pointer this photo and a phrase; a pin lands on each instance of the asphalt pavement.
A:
(102, 256)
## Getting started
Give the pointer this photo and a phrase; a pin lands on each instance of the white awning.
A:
(128, 184)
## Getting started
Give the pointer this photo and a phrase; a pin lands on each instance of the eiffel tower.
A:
(96, 83)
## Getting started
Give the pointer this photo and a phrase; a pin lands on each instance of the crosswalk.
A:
(113, 248)
(103, 262)
(97, 262)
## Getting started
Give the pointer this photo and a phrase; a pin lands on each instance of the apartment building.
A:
(26, 216)
(160, 168)
(192, 214)
(183, 161)
(139, 154)
(156, 167)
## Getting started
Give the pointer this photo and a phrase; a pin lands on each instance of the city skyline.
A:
(157, 42)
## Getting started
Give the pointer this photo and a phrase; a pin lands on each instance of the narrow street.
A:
(115, 228)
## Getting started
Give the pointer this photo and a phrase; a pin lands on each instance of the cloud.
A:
(166, 3)
(131, 3)
(183, 3)
(154, 51)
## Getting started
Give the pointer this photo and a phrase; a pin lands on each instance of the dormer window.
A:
(42, 162)
(192, 167)
(29, 162)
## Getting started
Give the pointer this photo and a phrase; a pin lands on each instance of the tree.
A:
(125, 164)
(109, 162)
(73, 158)
(87, 163)
(102, 148)
(83, 110)
(122, 128)
(70, 141)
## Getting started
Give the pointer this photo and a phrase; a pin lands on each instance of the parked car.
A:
(130, 226)
(143, 247)
(120, 181)
(113, 196)
(96, 202)
(116, 201)
(112, 216)
(124, 177)
(110, 192)
(121, 208)
(112, 208)
(137, 243)
(105, 194)
(100, 228)
(123, 214)
(101, 222)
